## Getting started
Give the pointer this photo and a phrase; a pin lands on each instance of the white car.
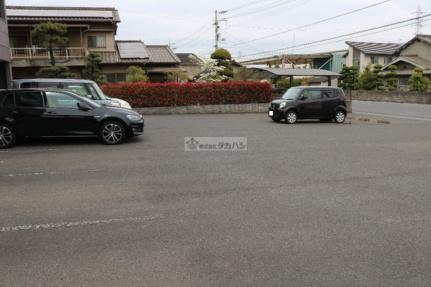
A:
(84, 88)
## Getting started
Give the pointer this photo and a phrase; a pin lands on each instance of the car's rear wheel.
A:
(7, 136)
(112, 132)
(340, 117)
(291, 117)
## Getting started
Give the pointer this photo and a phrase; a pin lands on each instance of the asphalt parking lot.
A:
(312, 204)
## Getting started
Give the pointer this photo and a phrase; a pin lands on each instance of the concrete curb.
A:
(209, 109)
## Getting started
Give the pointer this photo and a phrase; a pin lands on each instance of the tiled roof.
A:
(40, 13)
(299, 72)
(375, 48)
(162, 54)
(414, 60)
(423, 38)
(132, 50)
(189, 59)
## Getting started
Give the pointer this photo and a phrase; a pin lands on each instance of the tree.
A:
(179, 76)
(245, 74)
(50, 35)
(418, 82)
(212, 72)
(284, 83)
(136, 74)
(368, 80)
(92, 69)
(350, 78)
(60, 72)
(379, 78)
(224, 59)
(391, 80)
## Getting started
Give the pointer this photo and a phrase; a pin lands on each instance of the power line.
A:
(262, 9)
(192, 35)
(365, 35)
(194, 41)
(341, 36)
(244, 5)
(237, 39)
(313, 23)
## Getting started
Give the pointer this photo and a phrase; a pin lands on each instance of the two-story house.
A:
(90, 30)
(416, 53)
(365, 54)
(5, 75)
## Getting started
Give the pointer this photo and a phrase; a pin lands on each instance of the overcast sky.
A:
(186, 24)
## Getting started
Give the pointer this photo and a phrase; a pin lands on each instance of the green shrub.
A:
(60, 72)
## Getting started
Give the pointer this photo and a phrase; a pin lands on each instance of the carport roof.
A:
(299, 72)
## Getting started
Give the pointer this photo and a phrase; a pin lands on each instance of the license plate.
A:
(271, 113)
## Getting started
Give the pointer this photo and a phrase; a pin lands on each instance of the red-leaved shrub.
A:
(185, 94)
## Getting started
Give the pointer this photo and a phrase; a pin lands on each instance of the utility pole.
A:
(217, 27)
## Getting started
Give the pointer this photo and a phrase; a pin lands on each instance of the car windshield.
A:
(292, 94)
(87, 90)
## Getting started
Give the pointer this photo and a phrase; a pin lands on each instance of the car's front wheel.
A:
(7, 136)
(340, 117)
(291, 117)
(112, 132)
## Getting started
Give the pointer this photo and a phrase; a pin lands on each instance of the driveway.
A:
(394, 110)
(312, 204)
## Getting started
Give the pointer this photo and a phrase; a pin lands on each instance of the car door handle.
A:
(51, 113)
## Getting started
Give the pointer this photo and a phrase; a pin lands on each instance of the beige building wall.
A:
(364, 62)
(418, 49)
(109, 39)
(74, 36)
(349, 58)
(5, 56)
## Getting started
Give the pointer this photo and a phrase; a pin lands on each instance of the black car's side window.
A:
(8, 101)
(29, 99)
(312, 95)
(29, 85)
(60, 100)
(330, 94)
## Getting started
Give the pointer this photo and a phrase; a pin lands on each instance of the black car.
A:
(324, 103)
(57, 113)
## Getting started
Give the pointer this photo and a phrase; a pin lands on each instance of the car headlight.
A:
(125, 105)
(115, 104)
(283, 105)
(134, 118)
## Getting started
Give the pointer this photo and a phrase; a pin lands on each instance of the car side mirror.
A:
(303, 98)
(83, 107)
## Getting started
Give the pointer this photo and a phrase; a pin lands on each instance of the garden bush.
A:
(185, 94)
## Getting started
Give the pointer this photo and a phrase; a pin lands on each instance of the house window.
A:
(19, 42)
(388, 60)
(374, 60)
(116, 77)
(96, 42)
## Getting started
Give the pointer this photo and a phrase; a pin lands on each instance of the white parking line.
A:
(47, 226)
(45, 173)
(394, 116)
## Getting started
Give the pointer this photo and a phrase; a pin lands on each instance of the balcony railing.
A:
(61, 54)
(42, 53)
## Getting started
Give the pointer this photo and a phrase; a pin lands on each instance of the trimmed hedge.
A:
(187, 94)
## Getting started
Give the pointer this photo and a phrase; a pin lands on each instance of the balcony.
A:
(72, 56)
(42, 53)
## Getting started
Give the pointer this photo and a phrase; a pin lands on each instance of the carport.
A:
(276, 73)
